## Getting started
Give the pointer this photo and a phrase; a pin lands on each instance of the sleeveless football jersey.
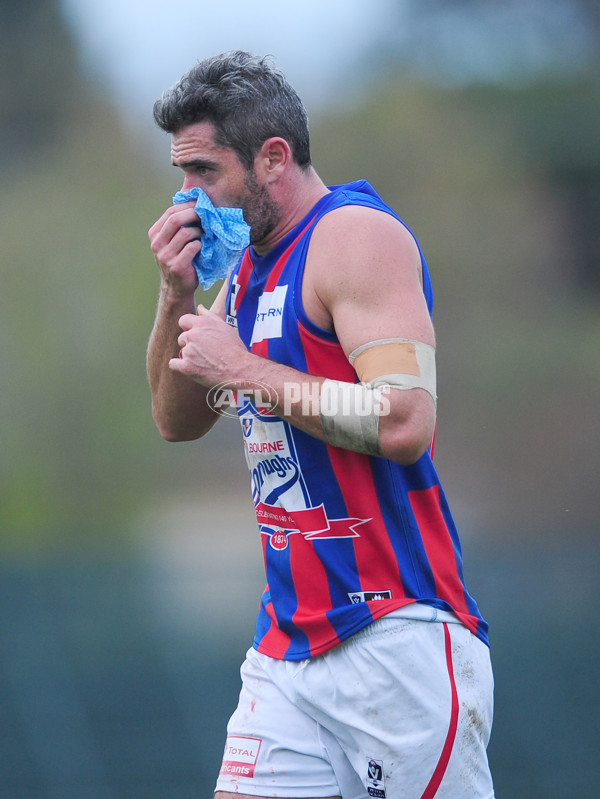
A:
(346, 537)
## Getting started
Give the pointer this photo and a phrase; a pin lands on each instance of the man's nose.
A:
(190, 182)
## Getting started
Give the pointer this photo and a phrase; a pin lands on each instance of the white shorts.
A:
(402, 710)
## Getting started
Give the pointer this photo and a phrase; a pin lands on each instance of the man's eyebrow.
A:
(194, 164)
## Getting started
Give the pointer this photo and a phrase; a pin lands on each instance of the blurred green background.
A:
(130, 568)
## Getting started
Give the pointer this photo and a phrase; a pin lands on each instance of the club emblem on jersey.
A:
(375, 779)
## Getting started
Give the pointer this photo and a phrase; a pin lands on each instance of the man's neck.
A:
(295, 199)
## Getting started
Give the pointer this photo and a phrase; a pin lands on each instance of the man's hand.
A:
(212, 352)
(175, 242)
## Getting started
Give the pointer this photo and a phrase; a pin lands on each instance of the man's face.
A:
(219, 172)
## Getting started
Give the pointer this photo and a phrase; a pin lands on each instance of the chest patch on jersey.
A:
(269, 315)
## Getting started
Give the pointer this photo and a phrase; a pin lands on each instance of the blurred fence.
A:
(113, 686)
(99, 700)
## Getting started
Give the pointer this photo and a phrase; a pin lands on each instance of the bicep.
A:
(371, 281)
(381, 313)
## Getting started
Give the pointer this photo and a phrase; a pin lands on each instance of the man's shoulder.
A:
(352, 227)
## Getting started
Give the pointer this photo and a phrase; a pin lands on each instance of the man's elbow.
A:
(176, 430)
(175, 436)
(406, 441)
(404, 449)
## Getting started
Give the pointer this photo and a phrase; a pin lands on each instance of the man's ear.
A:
(273, 158)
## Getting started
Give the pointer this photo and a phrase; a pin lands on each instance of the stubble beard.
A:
(261, 212)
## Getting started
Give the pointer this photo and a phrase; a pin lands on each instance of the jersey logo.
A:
(269, 315)
(368, 596)
(376, 779)
(240, 756)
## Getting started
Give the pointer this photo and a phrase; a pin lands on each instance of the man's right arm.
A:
(179, 406)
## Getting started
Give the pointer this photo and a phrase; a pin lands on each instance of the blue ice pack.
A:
(225, 235)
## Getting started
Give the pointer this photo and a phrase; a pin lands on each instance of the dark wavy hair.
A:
(245, 97)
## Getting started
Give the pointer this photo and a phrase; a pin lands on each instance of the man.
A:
(370, 672)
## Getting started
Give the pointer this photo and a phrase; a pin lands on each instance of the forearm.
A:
(404, 421)
(286, 392)
(179, 406)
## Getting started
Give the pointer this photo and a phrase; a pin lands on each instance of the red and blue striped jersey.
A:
(346, 537)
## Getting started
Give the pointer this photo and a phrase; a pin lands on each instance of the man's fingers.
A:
(172, 209)
(176, 365)
(175, 238)
(187, 321)
(175, 257)
(174, 218)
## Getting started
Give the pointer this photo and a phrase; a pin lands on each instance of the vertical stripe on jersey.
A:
(441, 553)
(275, 633)
(312, 592)
(268, 635)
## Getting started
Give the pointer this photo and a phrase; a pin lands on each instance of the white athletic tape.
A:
(350, 414)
